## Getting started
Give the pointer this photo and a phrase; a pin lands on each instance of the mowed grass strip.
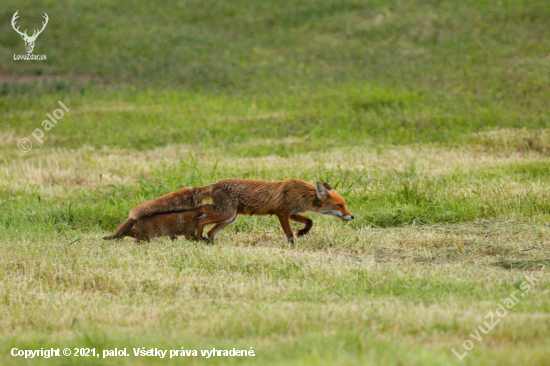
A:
(350, 300)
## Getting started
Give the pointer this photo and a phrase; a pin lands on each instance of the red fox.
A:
(172, 224)
(231, 197)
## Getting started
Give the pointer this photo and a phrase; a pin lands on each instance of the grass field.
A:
(430, 117)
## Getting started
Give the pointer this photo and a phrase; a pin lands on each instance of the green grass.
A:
(429, 117)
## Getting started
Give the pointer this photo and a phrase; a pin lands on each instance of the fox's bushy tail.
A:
(122, 230)
(183, 199)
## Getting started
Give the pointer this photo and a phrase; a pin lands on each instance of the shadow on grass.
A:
(523, 265)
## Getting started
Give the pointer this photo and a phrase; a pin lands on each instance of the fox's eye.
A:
(339, 205)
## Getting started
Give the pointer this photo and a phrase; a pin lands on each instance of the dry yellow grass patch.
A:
(87, 167)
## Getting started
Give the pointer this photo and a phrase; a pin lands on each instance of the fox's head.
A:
(332, 203)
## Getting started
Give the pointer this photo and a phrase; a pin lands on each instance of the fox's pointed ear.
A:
(322, 193)
(327, 186)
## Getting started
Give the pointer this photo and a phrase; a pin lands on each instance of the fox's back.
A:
(262, 198)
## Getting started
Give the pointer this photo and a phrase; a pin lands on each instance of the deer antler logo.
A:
(29, 41)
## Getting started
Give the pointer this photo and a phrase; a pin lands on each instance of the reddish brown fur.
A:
(183, 199)
(171, 224)
(231, 197)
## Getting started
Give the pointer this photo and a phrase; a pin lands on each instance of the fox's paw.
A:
(206, 240)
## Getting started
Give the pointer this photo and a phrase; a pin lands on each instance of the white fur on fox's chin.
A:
(337, 214)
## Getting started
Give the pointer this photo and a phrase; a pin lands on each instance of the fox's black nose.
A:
(352, 217)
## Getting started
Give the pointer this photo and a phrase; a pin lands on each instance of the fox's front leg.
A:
(302, 220)
(285, 223)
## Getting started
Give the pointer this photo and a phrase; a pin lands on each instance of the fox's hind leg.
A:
(223, 211)
(221, 220)
(219, 227)
(302, 220)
